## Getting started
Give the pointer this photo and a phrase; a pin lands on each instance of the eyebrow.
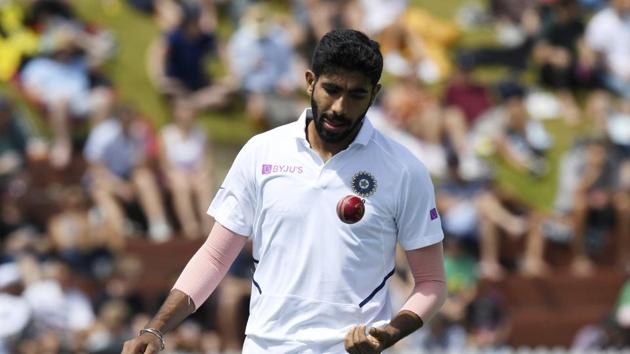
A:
(331, 85)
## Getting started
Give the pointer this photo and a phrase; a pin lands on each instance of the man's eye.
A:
(358, 96)
(331, 91)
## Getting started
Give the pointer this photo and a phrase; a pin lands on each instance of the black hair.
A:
(348, 50)
(191, 13)
(510, 89)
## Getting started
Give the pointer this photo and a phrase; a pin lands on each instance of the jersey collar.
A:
(364, 136)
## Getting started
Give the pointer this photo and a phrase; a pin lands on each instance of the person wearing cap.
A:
(325, 200)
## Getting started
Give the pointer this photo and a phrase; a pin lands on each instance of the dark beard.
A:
(328, 137)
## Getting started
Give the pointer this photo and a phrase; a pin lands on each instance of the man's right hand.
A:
(145, 343)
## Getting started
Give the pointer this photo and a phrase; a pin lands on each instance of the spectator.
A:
(612, 331)
(61, 82)
(118, 157)
(516, 37)
(15, 140)
(14, 310)
(521, 141)
(187, 163)
(43, 12)
(607, 334)
(177, 61)
(79, 235)
(324, 16)
(443, 336)
(564, 62)
(465, 101)
(464, 96)
(462, 278)
(18, 229)
(110, 329)
(60, 309)
(592, 205)
(191, 338)
(606, 36)
(417, 45)
(122, 285)
(584, 203)
(617, 121)
(377, 15)
(510, 10)
(48, 16)
(488, 322)
(472, 212)
(260, 54)
(411, 116)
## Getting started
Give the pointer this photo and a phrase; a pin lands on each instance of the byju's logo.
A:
(268, 169)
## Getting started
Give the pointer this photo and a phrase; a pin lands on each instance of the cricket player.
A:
(324, 200)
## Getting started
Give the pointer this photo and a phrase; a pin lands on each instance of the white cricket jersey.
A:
(315, 276)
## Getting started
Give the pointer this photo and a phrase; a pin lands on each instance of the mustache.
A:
(335, 118)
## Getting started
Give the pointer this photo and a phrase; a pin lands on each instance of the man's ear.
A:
(375, 91)
(310, 81)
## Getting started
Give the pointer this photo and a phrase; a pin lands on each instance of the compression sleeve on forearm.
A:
(208, 266)
(429, 293)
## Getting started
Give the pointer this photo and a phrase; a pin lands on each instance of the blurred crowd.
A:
(83, 172)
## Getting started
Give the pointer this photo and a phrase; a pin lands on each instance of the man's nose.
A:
(339, 106)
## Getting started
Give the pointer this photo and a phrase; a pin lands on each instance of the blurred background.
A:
(118, 119)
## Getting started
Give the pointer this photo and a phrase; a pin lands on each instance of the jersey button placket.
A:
(321, 178)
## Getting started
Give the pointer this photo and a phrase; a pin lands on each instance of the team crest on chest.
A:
(363, 184)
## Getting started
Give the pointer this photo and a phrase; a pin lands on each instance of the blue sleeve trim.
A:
(257, 286)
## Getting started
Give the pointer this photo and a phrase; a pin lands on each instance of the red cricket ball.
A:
(350, 209)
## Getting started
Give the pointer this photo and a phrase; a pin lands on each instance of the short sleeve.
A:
(417, 219)
(235, 202)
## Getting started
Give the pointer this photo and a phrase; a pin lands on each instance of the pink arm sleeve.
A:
(429, 293)
(208, 266)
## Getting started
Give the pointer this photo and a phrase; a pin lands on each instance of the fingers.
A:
(357, 342)
(366, 346)
(378, 334)
(347, 342)
(139, 346)
(151, 349)
(350, 341)
(381, 336)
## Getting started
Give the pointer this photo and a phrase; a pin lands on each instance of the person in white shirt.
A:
(322, 267)
(607, 36)
(186, 161)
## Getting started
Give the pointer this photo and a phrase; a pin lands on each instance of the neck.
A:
(324, 149)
